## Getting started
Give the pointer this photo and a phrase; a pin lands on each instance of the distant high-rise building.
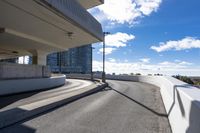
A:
(11, 60)
(75, 60)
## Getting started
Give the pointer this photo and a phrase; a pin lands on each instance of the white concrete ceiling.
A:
(90, 3)
(34, 27)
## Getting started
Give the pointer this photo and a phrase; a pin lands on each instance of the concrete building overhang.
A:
(90, 3)
(15, 44)
(45, 25)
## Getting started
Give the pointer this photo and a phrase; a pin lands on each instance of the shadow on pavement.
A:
(39, 111)
(12, 98)
(144, 106)
(9, 99)
(19, 129)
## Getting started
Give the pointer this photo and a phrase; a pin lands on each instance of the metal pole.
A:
(60, 71)
(103, 73)
(91, 63)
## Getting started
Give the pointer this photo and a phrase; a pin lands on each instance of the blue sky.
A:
(150, 36)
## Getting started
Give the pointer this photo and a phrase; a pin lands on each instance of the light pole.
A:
(103, 73)
(60, 63)
(91, 62)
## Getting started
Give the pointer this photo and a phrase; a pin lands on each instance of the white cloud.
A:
(185, 43)
(177, 64)
(125, 60)
(107, 50)
(120, 12)
(112, 60)
(118, 39)
(166, 63)
(182, 62)
(177, 60)
(114, 41)
(145, 60)
(185, 63)
(167, 68)
(127, 11)
(148, 6)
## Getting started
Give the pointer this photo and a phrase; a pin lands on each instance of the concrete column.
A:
(34, 59)
(38, 57)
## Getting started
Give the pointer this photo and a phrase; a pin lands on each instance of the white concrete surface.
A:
(25, 85)
(17, 71)
(45, 25)
(181, 100)
(81, 84)
(90, 3)
(51, 100)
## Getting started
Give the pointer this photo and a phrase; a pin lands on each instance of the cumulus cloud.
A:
(185, 63)
(148, 6)
(185, 43)
(111, 59)
(145, 60)
(107, 50)
(114, 41)
(177, 64)
(118, 39)
(125, 60)
(177, 60)
(127, 11)
(166, 67)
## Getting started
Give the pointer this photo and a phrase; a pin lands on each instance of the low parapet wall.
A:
(181, 100)
(19, 71)
(13, 86)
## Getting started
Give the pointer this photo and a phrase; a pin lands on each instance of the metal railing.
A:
(74, 11)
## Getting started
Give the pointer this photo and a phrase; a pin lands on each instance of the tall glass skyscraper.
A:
(75, 60)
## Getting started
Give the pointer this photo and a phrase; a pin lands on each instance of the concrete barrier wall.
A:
(181, 100)
(18, 71)
(13, 86)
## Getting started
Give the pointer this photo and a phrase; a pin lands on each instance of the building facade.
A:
(11, 60)
(75, 60)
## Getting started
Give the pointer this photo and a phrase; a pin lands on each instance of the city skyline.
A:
(160, 36)
(74, 60)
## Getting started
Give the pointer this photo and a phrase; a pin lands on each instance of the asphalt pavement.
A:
(123, 107)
